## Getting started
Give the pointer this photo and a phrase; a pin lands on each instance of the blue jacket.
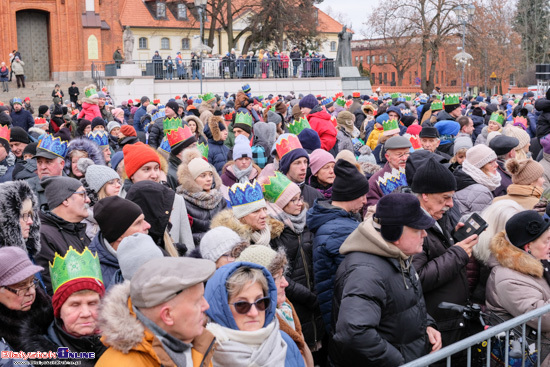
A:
(479, 124)
(107, 261)
(219, 312)
(331, 226)
(532, 129)
(22, 119)
(137, 118)
(217, 151)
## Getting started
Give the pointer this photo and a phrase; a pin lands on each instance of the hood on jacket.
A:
(511, 257)
(184, 175)
(215, 293)
(322, 212)
(265, 133)
(225, 218)
(228, 169)
(12, 196)
(200, 125)
(212, 129)
(323, 115)
(85, 145)
(542, 105)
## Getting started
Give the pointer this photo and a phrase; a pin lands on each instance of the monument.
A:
(351, 79)
(128, 68)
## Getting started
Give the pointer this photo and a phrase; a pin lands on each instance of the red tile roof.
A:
(327, 24)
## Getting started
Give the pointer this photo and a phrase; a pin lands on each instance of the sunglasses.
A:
(243, 307)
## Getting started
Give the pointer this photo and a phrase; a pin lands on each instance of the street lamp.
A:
(464, 16)
(201, 8)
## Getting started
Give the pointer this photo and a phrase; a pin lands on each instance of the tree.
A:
(532, 22)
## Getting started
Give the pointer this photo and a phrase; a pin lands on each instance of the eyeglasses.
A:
(298, 200)
(81, 193)
(243, 307)
(21, 291)
(26, 216)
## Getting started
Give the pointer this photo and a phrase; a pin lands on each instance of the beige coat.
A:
(525, 195)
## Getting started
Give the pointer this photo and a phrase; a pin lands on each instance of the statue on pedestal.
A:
(128, 38)
(343, 56)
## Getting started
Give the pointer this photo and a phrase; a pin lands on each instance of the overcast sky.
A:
(356, 11)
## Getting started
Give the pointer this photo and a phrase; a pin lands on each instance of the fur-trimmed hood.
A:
(212, 130)
(225, 218)
(184, 175)
(12, 196)
(511, 257)
(85, 145)
(200, 125)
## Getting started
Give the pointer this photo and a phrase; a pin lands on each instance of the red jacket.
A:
(321, 122)
(89, 111)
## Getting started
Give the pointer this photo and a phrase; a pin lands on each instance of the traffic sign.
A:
(417, 81)
(493, 75)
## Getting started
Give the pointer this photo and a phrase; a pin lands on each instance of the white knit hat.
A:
(217, 242)
(197, 166)
(479, 155)
(518, 133)
(134, 251)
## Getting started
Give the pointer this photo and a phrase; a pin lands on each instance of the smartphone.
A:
(473, 225)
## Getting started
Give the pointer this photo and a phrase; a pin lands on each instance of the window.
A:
(356, 60)
(361, 60)
(381, 58)
(512, 79)
(185, 44)
(385, 58)
(393, 77)
(410, 78)
(379, 78)
(436, 77)
(368, 59)
(161, 10)
(165, 43)
(442, 80)
(385, 78)
(182, 11)
(333, 46)
(142, 42)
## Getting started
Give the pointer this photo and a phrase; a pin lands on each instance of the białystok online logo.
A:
(62, 353)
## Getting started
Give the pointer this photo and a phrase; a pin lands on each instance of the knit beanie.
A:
(258, 254)
(274, 117)
(309, 139)
(545, 142)
(491, 136)
(42, 109)
(349, 184)
(82, 125)
(15, 266)
(57, 189)
(309, 101)
(97, 121)
(116, 159)
(198, 166)
(128, 130)
(112, 125)
(288, 158)
(346, 155)
(217, 242)
(408, 120)
(18, 134)
(448, 129)
(134, 251)
(524, 172)
(432, 177)
(318, 159)
(173, 105)
(519, 134)
(479, 155)
(136, 155)
(346, 120)
(246, 198)
(115, 215)
(462, 142)
(72, 286)
(242, 148)
(98, 175)
(30, 149)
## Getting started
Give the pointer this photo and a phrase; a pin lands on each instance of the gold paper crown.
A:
(287, 143)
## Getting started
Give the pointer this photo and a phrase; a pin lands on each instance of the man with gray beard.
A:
(441, 265)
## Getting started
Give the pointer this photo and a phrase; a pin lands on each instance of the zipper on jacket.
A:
(308, 285)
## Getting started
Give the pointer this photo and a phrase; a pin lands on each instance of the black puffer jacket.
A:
(379, 315)
(442, 270)
(156, 133)
(543, 123)
(301, 290)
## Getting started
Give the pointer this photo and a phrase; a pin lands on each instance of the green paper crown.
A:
(394, 95)
(341, 102)
(275, 187)
(90, 92)
(203, 148)
(243, 118)
(390, 125)
(171, 124)
(408, 98)
(449, 100)
(436, 106)
(74, 265)
(497, 117)
(389, 102)
(272, 108)
(297, 126)
(207, 97)
(260, 97)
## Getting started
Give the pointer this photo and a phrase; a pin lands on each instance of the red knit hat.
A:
(136, 155)
(73, 286)
(128, 130)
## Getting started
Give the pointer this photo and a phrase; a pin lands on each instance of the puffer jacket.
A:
(129, 342)
(543, 123)
(344, 141)
(525, 195)
(321, 121)
(156, 133)
(479, 124)
(225, 218)
(505, 179)
(441, 267)
(217, 151)
(89, 111)
(172, 175)
(331, 226)
(107, 261)
(379, 316)
(301, 290)
(470, 196)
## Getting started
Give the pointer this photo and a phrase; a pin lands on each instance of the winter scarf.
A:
(264, 347)
(490, 182)
(262, 237)
(285, 313)
(296, 223)
(242, 175)
(9, 161)
(203, 199)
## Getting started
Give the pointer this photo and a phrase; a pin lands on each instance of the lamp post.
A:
(201, 8)
(464, 16)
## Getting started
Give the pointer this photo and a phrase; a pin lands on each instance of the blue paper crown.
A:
(423, 100)
(160, 107)
(165, 145)
(326, 101)
(53, 145)
(247, 193)
(391, 181)
(159, 114)
(386, 96)
(246, 88)
(99, 137)
(16, 100)
(401, 99)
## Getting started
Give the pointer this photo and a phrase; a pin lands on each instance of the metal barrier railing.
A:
(486, 337)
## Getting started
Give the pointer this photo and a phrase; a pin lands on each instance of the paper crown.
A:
(415, 141)
(244, 118)
(338, 95)
(160, 113)
(246, 88)
(392, 180)
(341, 102)
(178, 135)
(208, 97)
(356, 95)
(156, 101)
(296, 126)
(395, 95)
(53, 145)
(348, 103)
(74, 265)
(275, 186)
(497, 117)
(101, 138)
(228, 116)
(165, 145)
(386, 96)
(389, 102)
(326, 101)
(203, 148)
(160, 106)
(171, 123)
(5, 133)
(260, 97)
(436, 106)
(16, 100)
(90, 92)
(408, 98)
(401, 99)
(137, 101)
(390, 125)
(287, 143)
(521, 122)
(247, 193)
(451, 100)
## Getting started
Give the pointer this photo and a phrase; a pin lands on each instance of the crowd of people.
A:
(249, 230)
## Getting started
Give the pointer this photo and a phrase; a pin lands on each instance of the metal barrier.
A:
(485, 336)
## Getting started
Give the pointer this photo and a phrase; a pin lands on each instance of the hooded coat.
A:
(321, 121)
(201, 139)
(505, 178)
(156, 133)
(378, 279)
(225, 218)
(85, 145)
(217, 151)
(543, 123)
(130, 342)
(89, 111)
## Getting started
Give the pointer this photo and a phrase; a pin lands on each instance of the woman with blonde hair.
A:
(522, 149)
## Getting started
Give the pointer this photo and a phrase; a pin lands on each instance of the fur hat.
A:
(346, 120)
(84, 145)
(216, 126)
(524, 172)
